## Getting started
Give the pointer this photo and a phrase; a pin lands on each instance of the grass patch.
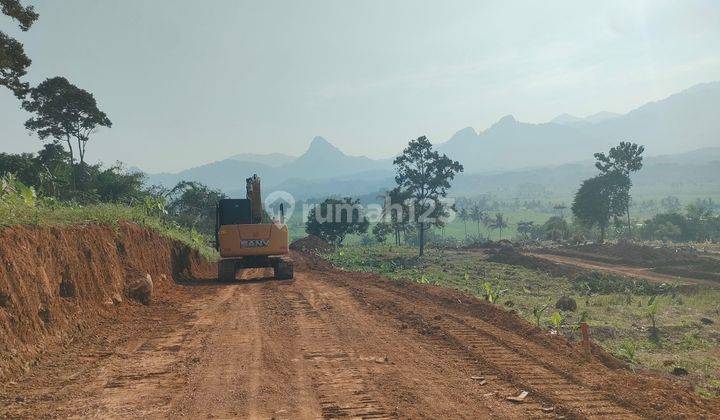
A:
(51, 213)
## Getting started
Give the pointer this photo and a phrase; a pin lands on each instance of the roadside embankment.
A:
(56, 282)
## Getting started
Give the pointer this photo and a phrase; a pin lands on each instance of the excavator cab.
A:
(246, 238)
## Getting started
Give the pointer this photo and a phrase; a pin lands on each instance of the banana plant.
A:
(556, 320)
(491, 295)
(537, 313)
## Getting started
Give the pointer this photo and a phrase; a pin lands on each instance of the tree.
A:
(498, 222)
(670, 204)
(622, 159)
(54, 169)
(64, 113)
(601, 198)
(560, 208)
(381, 231)
(13, 61)
(699, 216)
(555, 229)
(396, 211)
(700, 211)
(333, 219)
(193, 205)
(477, 214)
(426, 176)
(464, 215)
(525, 229)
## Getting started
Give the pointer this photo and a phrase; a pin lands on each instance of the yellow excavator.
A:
(246, 238)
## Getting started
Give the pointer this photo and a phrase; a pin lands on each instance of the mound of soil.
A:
(665, 260)
(631, 253)
(311, 244)
(513, 257)
(59, 281)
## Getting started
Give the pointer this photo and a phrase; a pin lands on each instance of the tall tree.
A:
(560, 208)
(670, 204)
(396, 211)
(622, 159)
(333, 219)
(477, 214)
(464, 215)
(525, 228)
(13, 61)
(193, 205)
(601, 198)
(64, 113)
(555, 228)
(425, 174)
(498, 222)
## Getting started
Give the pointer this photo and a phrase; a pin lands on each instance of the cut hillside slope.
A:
(56, 281)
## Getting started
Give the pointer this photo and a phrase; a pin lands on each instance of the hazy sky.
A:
(188, 82)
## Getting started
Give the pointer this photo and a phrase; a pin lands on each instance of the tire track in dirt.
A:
(339, 381)
(644, 273)
(420, 378)
(519, 366)
(249, 367)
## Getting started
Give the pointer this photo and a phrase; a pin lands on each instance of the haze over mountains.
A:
(683, 122)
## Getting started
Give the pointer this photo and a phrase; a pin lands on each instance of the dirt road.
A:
(644, 273)
(330, 344)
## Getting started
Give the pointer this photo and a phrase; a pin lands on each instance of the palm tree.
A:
(499, 222)
(560, 208)
(464, 216)
(478, 215)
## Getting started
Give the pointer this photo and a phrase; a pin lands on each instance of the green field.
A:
(456, 229)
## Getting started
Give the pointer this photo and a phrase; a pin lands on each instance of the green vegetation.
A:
(425, 175)
(600, 199)
(14, 63)
(698, 224)
(20, 205)
(333, 219)
(615, 308)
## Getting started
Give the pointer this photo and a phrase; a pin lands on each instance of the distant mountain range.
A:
(321, 161)
(682, 122)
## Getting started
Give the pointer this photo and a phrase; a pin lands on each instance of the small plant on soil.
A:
(491, 295)
(652, 307)
(537, 313)
(556, 320)
(584, 315)
(627, 350)
(425, 280)
(628, 297)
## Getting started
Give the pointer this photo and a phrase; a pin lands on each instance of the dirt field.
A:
(330, 344)
(621, 269)
(667, 263)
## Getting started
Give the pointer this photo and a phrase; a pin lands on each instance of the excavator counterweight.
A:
(247, 238)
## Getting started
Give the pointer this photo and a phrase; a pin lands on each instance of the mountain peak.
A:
(506, 121)
(565, 119)
(601, 116)
(319, 144)
(323, 149)
(466, 131)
